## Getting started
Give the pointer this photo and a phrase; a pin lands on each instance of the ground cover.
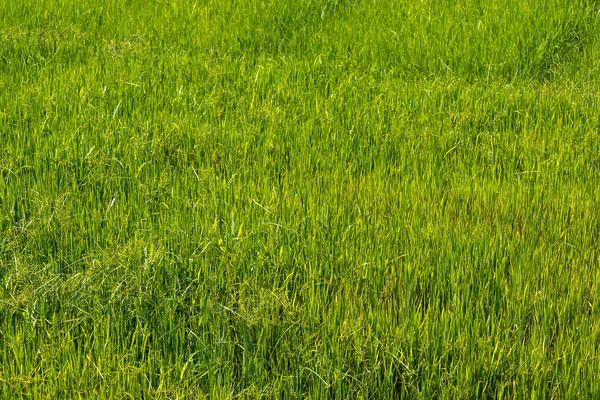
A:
(320, 199)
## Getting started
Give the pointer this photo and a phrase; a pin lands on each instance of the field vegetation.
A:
(367, 199)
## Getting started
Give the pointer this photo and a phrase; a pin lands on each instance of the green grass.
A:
(299, 199)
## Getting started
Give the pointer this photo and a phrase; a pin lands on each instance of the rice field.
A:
(353, 199)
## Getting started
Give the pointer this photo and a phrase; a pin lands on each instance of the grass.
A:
(301, 199)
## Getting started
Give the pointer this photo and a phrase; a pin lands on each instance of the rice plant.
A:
(299, 199)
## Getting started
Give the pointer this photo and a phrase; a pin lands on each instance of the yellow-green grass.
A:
(299, 199)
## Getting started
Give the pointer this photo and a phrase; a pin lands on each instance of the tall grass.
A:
(320, 199)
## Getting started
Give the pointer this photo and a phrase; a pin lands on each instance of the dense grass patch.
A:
(345, 199)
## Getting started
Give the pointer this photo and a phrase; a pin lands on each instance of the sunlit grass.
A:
(324, 199)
